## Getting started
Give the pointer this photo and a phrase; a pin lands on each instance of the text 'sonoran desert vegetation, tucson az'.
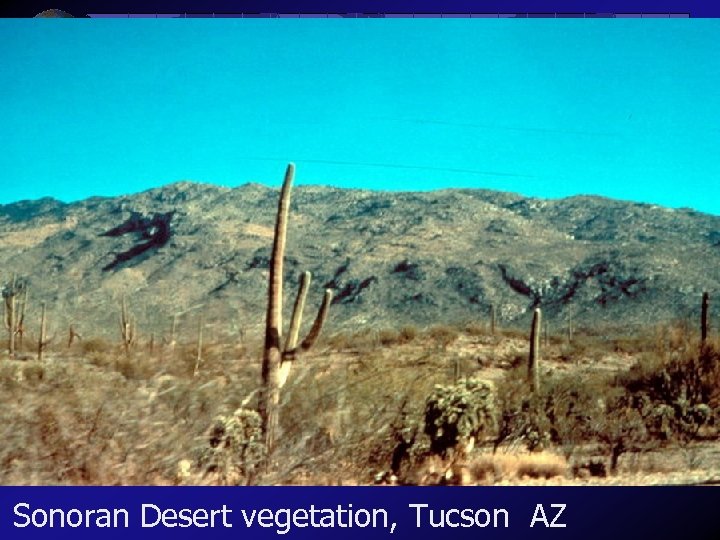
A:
(194, 334)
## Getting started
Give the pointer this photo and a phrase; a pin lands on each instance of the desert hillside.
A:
(392, 259)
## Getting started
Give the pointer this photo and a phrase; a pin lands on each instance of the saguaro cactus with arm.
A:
(277, 360)
(12, 294)
(272, 355)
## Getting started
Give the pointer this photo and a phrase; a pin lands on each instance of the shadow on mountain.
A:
(153, 233)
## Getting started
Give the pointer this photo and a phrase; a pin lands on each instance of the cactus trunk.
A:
(20, 316)
(198, 358)
(172, 331)
(127, 326)
(534, 357)
(41, 339)
(704, 317)
(10, 306)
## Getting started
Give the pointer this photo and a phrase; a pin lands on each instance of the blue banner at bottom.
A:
(360, 512)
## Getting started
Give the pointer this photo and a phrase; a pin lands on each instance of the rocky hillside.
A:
(392, 258)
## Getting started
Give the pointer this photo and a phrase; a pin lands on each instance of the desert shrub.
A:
(569, 407)
(514, 333)
(694, 377)
(407, 334)
(540, 465)
(517, 465)
(521, 418)
(96, 345)
(583, 348)
(410, 446)
(388, 337)
(620, 429)
(339, 341)
(488, 468)
(568, 414)
(235, 449)
(443, 335)
(475, 329)
(459, 414)
(676, 399)
(363, 339)
(679, 335)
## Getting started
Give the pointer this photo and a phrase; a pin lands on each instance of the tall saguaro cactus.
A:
(10, 302)
(20, 306)
(492, 319)
(534, 357)
(277, 360)
(14, 294)
(198, 357)
(704, 317)
(43, 340)
(272, 355)
(127, 326)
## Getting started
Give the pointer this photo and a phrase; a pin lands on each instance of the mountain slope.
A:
(392, 258)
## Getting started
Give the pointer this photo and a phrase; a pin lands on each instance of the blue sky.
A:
(626, 109)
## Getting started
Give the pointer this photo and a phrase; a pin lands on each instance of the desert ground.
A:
(354, 410)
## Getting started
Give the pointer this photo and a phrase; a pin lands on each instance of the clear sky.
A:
(627, 109)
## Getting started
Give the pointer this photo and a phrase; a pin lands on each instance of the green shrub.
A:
(235, 448)
(459, 414)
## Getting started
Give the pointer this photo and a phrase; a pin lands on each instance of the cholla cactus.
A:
(457, 415)
(235, 448)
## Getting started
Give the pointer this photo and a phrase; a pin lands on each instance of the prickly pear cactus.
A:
(235, 448)
(457, 415)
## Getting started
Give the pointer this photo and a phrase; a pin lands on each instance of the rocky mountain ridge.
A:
(392, 258)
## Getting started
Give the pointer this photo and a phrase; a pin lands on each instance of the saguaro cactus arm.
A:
(72, 335)
(312, 336)
(296, 321)
(288, 355)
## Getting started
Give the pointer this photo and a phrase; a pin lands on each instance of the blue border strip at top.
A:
(696, 8)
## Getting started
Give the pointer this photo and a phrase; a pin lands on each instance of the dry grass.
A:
(489, 468)
(519, 466)
(94, 415)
